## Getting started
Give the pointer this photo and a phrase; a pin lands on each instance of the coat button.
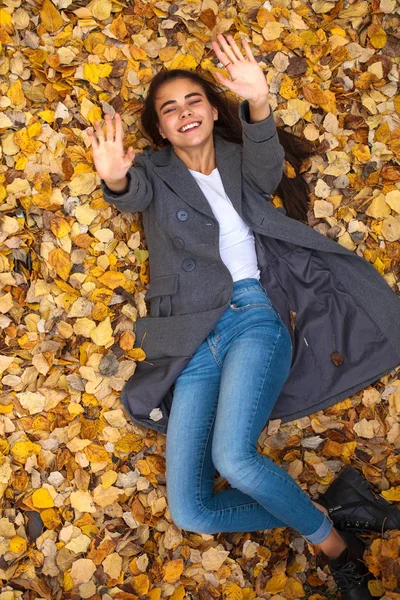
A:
(182, 215)
(178, 242)
(188, 264)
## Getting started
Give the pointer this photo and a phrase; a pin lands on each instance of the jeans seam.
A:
(200, 500)
(259, 457)
(244, 290)
(266, 371)
(248, 306)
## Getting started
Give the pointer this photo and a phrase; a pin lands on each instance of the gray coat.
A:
(341, 303)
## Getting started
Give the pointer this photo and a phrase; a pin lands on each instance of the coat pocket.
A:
(160, 293)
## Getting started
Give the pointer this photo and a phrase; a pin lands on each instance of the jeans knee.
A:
(189, 517)
(234, 467)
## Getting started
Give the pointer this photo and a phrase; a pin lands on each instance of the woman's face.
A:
(183, 102)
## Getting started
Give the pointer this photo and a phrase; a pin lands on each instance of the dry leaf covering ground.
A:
(84, 511)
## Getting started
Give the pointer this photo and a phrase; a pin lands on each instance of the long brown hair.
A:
(293, 191)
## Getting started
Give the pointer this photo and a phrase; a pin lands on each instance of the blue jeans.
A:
(222, 401)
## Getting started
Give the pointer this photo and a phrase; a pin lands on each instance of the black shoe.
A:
(349, 570)
(354, 506)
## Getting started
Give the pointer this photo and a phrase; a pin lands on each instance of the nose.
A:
(186, 111)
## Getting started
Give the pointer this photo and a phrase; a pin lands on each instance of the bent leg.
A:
(190, 471)
(255, 368)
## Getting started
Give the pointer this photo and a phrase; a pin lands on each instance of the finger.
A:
(220, 55)
(130, 155)
(248, 51)
(227, 49)
(235, 48)
(92, 139)
(118, 129)
(99, 132)
(109, 128)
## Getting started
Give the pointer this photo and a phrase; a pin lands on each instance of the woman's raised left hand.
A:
(247, 77)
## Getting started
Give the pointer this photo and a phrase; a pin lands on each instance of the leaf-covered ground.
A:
(83, 499)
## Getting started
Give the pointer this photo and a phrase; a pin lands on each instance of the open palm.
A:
(247, 78)
(110, 160)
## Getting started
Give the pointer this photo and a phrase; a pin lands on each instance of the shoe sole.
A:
(353, 478)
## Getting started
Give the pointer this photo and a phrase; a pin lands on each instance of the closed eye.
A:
(171, 109)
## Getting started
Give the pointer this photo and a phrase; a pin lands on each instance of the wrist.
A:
(260, 101)
(259, 110)
(118, 185)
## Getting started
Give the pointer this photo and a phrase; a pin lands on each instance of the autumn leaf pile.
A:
(83, 500)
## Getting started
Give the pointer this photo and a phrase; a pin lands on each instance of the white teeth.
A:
(189, 126)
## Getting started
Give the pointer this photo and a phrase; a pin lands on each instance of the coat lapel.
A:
(176, 175)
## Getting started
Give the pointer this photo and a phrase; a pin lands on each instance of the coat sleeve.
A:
(138, 193)
(262, 153)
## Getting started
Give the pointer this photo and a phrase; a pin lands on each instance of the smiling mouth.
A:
(190, 128)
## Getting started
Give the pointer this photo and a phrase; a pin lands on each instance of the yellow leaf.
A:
(68, 583)
(397, 104)
(196, 49)
(20, 164)
(272, 30)
(248, 593)
(361, 152)
(294, 589)
(60, 260)
(382, 134)
(101, 9)
(6, 20)
(232, 592)
(17, 544)
(83, 184)
(50, 517)
(34, 129)
(166, 54)
(393, 494)
(51, 18)
(183, 61)
(47, 115)
(141, 584)
(323, 98)
(60, 227)
(118, 28)
(97, 453)
(288, 88)
(90, 111)
(276, 584)
(376, 588)
(113, 279)
(16, 95)
(179, 593)
(107, 480)
(173, 569)
(82, 501)
(154, 594)
(42, 499)
(137, 354)
(377, 36)
(102, 334)
(94, 72)
(25, 142)
(348, 449)
(129, 443)
(83, 214)
(23, 449)
(100, 312)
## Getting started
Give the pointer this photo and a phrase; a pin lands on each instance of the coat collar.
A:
(176, 175)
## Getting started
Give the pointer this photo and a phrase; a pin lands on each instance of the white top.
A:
(236, 240)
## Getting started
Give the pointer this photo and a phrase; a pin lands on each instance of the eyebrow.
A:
(174, 101)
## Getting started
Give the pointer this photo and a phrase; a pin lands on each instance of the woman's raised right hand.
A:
(110, 160)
